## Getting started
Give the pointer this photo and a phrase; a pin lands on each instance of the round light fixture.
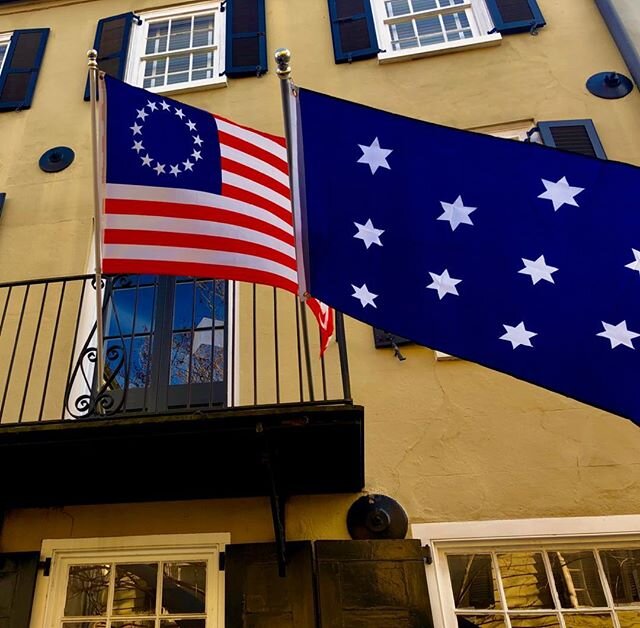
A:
(56, 159)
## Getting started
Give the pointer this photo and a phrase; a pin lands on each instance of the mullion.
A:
(608, 596)
(552, 586)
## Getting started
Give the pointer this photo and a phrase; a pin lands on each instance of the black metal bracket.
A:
(277, 502)
(427, 555)
(45, 565)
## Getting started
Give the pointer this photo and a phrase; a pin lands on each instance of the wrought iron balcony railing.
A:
(172, 345)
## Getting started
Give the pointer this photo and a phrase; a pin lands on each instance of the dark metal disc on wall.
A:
(56, 159)
(377, 517)
(609, 85)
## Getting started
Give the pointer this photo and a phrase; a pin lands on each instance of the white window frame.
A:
(134, 74)
(479, 19)
(5, 38)
(509, 535)
(50, 593)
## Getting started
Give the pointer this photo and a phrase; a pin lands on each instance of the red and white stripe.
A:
(244, 234)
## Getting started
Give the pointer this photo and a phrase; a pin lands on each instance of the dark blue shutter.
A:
(576, 136)
(112, 43)
(353, 30)
(17, 582)
(246, 50)
(21, 68)
(515, 16)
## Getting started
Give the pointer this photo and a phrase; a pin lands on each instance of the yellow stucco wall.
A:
(449, 440)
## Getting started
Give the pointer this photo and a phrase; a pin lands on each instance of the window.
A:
(176, 48)
(173, 331)
(146, 582)
(5, 38)
(419, 27)
(551, 573)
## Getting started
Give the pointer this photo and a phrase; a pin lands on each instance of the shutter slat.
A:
(112, 43)
(515, 16)
(353, 30)
(246, 50)
(17, 582)
(21, 68)
(576, 136)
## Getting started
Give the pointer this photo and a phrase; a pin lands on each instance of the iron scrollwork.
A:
(86, 397)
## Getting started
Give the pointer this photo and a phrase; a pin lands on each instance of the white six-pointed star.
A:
(368, 233)
(374, 156)
(560, 193)
(456, 213)
(538, 269)
(618, 334)
(444, 284)
(363, 295)
(518, 335)
(635, 265)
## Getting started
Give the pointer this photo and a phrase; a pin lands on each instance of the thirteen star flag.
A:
(191, 193)
(520, 257)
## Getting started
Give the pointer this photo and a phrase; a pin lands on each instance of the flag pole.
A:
(283, 59)
(92, 56)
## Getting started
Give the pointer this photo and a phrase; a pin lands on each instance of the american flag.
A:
(191, 193)
(520, 257)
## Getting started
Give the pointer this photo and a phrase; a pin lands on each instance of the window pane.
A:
(120, 312)
(180, 36)
(201, 358)
(486, 621)
(218, 356)
(629, 619)
(582, 620)
(203, 31)
(157, 37)
(622, 568)
(140, 362)
(397, 7)
(144, 310)
(472, 581)
(180, 354)
(204, 303)
(87, 590)
(135, 589)
(534, 621)
(182, 623)
(133, 623)
(183, 588)
(577, 579)
(430, 31)
(183, 306)
(524, 580)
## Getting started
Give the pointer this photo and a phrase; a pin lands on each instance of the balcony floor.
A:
(313, 448)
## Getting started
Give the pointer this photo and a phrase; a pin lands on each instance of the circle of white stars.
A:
(147, 160)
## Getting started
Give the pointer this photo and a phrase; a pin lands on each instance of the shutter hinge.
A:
(45, 565)
(426, 554)
(223, 6)
(534, 29)
(222, 559)
(137, 19)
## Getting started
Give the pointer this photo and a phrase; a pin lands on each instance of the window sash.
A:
(139, 58)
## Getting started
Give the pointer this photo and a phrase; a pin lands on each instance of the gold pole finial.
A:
(92, 55)
(283, 59)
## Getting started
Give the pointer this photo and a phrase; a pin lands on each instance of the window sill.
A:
(185, 89)
(417, 53)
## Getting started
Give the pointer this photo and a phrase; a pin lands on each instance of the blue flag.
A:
(523, 258)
